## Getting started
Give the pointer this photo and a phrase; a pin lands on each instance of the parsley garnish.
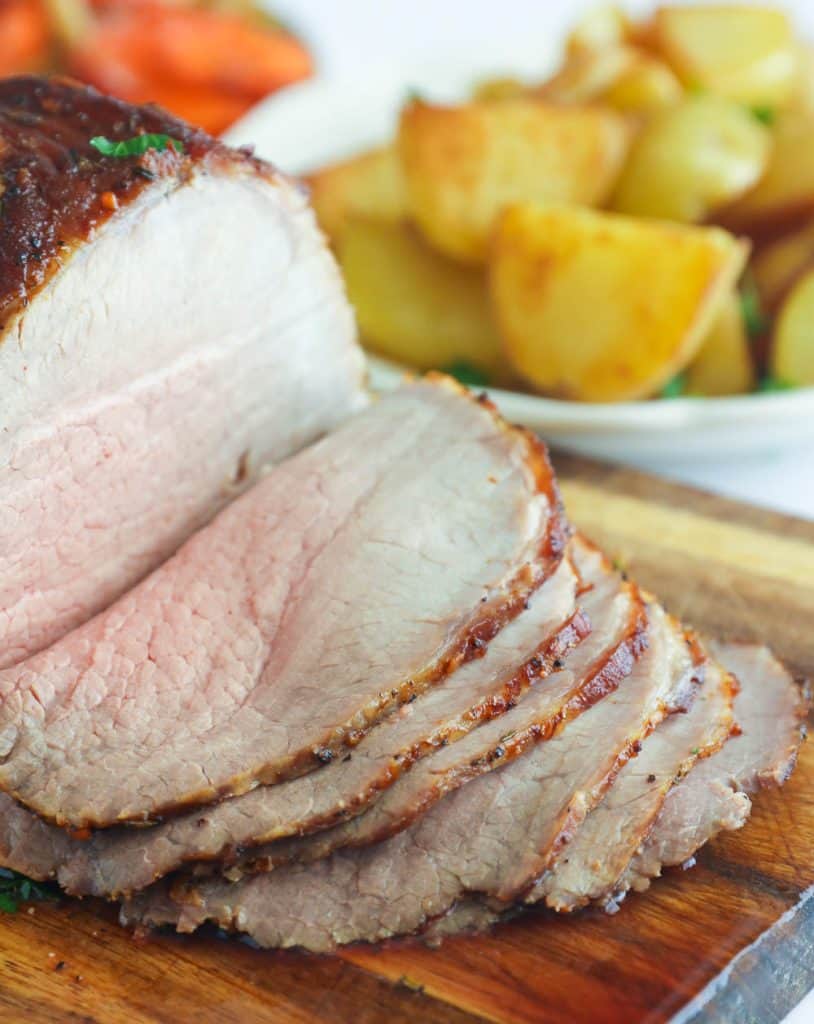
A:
(466, 373)
(769, 383)
(674, 388)
(754, 318)
(136, 146)
(765, 115)
(16, 889)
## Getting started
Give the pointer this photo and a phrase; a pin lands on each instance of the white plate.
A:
(322, 120)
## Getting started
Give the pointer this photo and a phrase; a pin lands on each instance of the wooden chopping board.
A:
(730, 940)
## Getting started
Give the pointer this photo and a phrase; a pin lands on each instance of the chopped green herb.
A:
(136, 146)
(695, 750)
(466, 373)
(765, 115)
(770, 383)
(674, 388)
(754, 319)
(16, 889)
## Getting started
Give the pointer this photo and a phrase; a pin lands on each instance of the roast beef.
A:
(123, 859)
(355, 575)
(595, 668)
(494, 836)
(30, 845)
(771, 710)
(169, 323)
(592, 863)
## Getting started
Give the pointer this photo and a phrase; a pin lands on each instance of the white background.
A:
(352, 38)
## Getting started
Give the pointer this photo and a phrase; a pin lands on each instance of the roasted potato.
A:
(785, 194)
(745, 53)
(723, 365)
(599, 307)
(623, 77)
(598, 29)
(370, 184)
(464, 164)
(692, 159)
(499, 89)
(792, 353)
(777, 266)
(803, 97)
(645, 86)
(413, 304)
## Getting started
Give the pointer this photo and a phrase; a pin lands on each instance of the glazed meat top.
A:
(56, 188)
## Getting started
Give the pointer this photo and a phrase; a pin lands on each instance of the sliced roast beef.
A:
(771, 710)
(592, 670)
(593, 861)
(170, 322)
(124, 859)
(494, 836)
(467, 917)
(355, 575)
(30, 845)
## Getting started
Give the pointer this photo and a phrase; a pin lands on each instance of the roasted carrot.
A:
(204, 65)
(23, 36)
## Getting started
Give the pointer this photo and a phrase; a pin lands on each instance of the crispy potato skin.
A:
(464, 164)
(723, 365)
(599, 28)
(791, 357)
(785, 194)
(623, 77)
(415, 305)
(370, 184)
(691, 159)
(777, 266)
(598, 307)
(744, 53)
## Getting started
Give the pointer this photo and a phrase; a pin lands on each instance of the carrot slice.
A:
(23, 36)
(170, 55)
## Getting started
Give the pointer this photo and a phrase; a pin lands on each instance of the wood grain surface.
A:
(730, 940)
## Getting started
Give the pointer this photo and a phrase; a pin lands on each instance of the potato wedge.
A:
(744, 53)
(646, 86)
(785, 194)
(464, 164)
(599, 307)
(692, 159)
(499, 89)
(622, 77)
(778, 265)
(370, 184)
(415, 305)
(803, 97)
(792, 353)
(723, 365)
(598, 29)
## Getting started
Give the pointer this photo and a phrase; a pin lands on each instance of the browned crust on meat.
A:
(603, 678)
(539, 664)
(779, 774)
(56, 189)
(574, 815)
